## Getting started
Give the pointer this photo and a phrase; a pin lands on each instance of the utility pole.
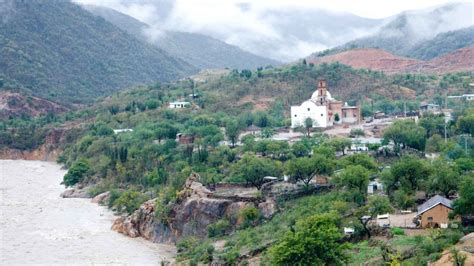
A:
(445, 134)
(405, 108)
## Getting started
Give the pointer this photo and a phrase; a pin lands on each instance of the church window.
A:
(308, 109)
(322, 114)
(295, 115)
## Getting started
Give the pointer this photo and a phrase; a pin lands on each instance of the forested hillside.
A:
(200, 50)
(422, 35)
(443, 43)
(57, 50)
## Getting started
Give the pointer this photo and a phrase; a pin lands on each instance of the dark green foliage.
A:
(129, 201)
(397, 231)
(196, 250)
(248, 216)
(410, 173)
(405, 133)
(251, 170)
(78, 56)
(76, 173)
(305, 168)
(464, 205)
(218, 228)
(443, 43)
(315, 241)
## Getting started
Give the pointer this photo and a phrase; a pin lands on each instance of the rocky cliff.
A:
(197, 208)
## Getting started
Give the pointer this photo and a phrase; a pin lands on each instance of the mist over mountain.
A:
(286, 33)
(57, 50)
(283, 34)
(200, 50)
(422, 34)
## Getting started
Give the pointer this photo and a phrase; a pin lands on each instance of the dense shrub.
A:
(129, 201)
(248, 216)
(218, 228)
(76, 173)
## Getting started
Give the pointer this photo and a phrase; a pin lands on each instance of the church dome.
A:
(316, 95)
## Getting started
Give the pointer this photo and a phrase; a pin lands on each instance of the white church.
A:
(323, 110)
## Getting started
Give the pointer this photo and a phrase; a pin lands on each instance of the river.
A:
(39, 227)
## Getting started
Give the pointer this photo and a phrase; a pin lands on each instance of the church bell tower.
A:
(322, 91)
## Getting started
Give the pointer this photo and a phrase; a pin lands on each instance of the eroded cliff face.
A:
(195, 211)
(48, 151)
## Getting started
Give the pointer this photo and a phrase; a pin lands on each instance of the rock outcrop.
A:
(75, 192)
(195, 210)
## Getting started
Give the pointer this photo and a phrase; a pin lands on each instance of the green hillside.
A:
(443, 43)
(57, 50)
(200, 50)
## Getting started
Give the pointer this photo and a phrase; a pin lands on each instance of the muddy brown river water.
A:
(39, 227)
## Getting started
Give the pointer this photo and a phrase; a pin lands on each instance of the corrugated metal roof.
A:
(433, 202)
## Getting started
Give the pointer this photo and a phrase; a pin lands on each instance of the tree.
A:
(316, 240)
(405, 133)
(252, 170)
(267, 132)
(410, 172)
(355, 178)
(308, 124)
(232, 131)
(76, 173)
(464, 204)
(444, 179)
(433, 124)
(305, 168)
(359, 159)
(340, 144)
(379, 205)
(466, 124)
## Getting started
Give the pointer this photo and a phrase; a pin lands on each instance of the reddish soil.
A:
(14, 104)
(377, 59)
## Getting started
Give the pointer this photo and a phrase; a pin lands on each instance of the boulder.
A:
(139, 223)
(75, 192)
(101, 198)
(268, 208)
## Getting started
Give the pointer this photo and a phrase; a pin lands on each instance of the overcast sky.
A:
(216, 8)
(255, 26)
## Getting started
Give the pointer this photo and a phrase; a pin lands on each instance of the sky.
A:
(280, 29)
(364, 8)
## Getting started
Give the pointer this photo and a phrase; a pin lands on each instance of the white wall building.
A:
(179, 105)
(323, 110)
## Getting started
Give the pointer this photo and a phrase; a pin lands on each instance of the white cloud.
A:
(253, 25)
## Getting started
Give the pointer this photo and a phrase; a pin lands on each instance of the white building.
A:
(179, 105)
(123, 130)
(323, 110)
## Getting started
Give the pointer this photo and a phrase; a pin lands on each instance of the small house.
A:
(430, 108)
(254, 130)
(179, 105)
(123, 130)
(374, 187)
(383, 220)
(434, 212)
(185, 139)
(348, 231)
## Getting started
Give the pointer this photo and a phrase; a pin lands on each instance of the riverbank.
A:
(39, 227)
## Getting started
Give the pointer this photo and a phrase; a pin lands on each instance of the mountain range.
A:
(422, 34)
(200, 50)
(287, 33)
(57, 50)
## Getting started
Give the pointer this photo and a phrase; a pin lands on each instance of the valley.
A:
(161, 133)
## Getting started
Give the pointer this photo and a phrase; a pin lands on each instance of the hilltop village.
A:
(181, 166)
(233, 179)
